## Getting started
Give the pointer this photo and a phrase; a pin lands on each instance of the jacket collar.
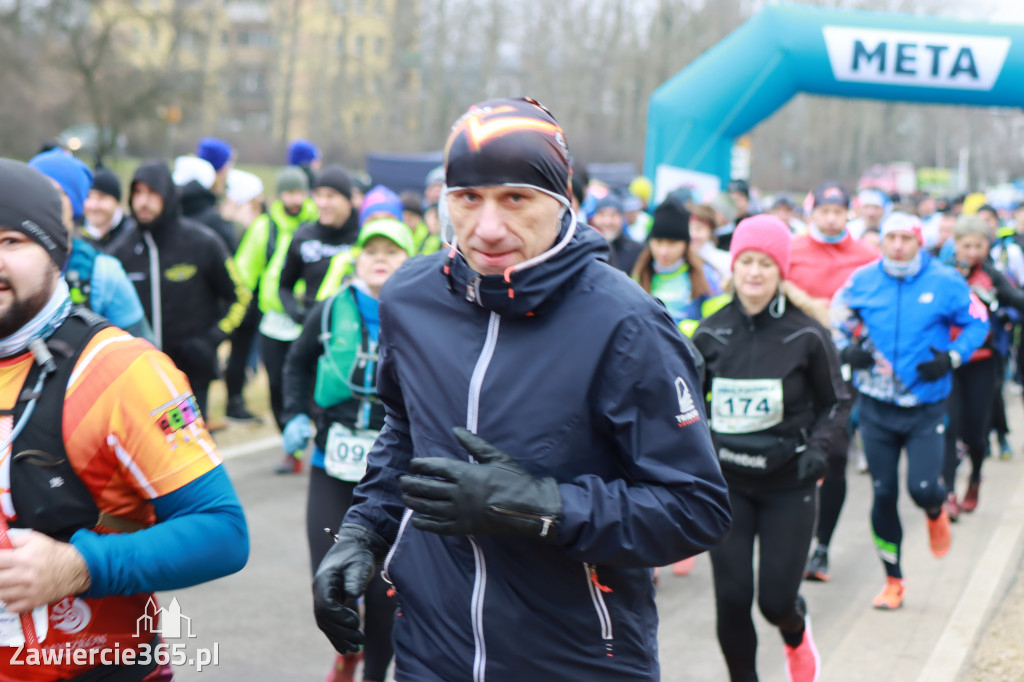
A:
(529, 291)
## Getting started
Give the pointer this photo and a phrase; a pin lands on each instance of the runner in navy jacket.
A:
(533, 564)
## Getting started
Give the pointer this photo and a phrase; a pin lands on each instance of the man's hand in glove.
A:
(937, 367)
(857, 357)
(342, 576)
(811, 465)
(496, 496)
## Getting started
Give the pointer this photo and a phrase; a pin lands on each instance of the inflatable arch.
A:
(694, 117)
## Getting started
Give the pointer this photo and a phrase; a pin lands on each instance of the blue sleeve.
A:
(671, 501)
(844, 319)
(200, 535)
(971, 316)
(113, 295)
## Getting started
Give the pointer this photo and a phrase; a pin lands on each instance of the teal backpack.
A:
(343, 337)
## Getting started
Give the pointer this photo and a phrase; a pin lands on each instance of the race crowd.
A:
(525, 391)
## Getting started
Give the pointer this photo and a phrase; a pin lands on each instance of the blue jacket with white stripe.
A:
(902, 321)
(579, 375)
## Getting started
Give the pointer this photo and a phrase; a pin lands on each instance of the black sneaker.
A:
(817, 566)
(236, 412)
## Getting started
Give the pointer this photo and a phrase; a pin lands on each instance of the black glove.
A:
(342, 576)
(937, 367)
(494, 497)
(811, 465)
(857, 357)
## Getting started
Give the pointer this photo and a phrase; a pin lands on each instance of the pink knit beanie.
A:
(764, 233)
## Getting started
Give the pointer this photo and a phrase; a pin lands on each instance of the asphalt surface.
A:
(261, 622)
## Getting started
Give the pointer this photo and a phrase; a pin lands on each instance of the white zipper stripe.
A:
(479, 589)
(599, 605)
(155, 293)
(391, 552)
(480, 574)
(477, 380)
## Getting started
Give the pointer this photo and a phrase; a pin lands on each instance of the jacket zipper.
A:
(155, 292)
(545, 521)
(391, 553)
(480, 573)
(603, 617)
(896, 344)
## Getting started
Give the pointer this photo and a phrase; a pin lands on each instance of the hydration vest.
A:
(47, 493)
(346, 350)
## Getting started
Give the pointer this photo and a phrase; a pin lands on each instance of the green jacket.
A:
(258, 262)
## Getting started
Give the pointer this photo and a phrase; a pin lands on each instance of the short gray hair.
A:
(967, 225)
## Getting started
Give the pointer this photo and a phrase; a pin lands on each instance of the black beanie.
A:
(29, 204)
(671, 221)
(336, 178)
(104, 180)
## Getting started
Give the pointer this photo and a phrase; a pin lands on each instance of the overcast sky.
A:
(1007, 11)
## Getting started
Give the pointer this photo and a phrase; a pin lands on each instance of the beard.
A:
(26, 304)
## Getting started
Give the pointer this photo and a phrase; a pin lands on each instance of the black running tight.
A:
(783, 523)
(970, 416)
(329, 499)
(273, 353)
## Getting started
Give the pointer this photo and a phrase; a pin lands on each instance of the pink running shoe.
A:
(803, 664)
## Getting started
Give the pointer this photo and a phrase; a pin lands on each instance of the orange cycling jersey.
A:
(133, 433)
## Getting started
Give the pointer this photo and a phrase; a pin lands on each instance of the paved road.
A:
(261, 618)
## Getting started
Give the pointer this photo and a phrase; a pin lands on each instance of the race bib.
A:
(346, 451)
(745, 405)
(279, 326)
(11, 633)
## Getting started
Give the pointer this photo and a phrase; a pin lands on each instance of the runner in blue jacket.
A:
(545, 443)
(894, 319)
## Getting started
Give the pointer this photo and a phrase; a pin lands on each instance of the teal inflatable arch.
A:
(785, 49)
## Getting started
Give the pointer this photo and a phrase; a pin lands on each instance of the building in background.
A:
(345, 73)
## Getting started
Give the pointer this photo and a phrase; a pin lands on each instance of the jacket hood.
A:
(307, 214)
(195, 199)
(528, 291)
(157, 175)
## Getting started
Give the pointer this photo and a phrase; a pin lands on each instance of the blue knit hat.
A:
(215, 150)
(380, 199)
(73, 176)
(302, 153)
(610, 200)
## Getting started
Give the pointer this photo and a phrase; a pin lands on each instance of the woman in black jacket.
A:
(334, 361)
(976, 381)
(776, 401)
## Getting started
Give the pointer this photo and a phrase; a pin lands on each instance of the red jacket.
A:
(821, 269)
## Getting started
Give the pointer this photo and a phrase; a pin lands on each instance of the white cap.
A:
(243, 187)
(189, 168)
(903, 222)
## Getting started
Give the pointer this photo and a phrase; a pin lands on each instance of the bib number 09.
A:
(346, 451)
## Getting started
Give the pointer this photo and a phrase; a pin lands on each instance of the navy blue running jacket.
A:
(574, 371)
